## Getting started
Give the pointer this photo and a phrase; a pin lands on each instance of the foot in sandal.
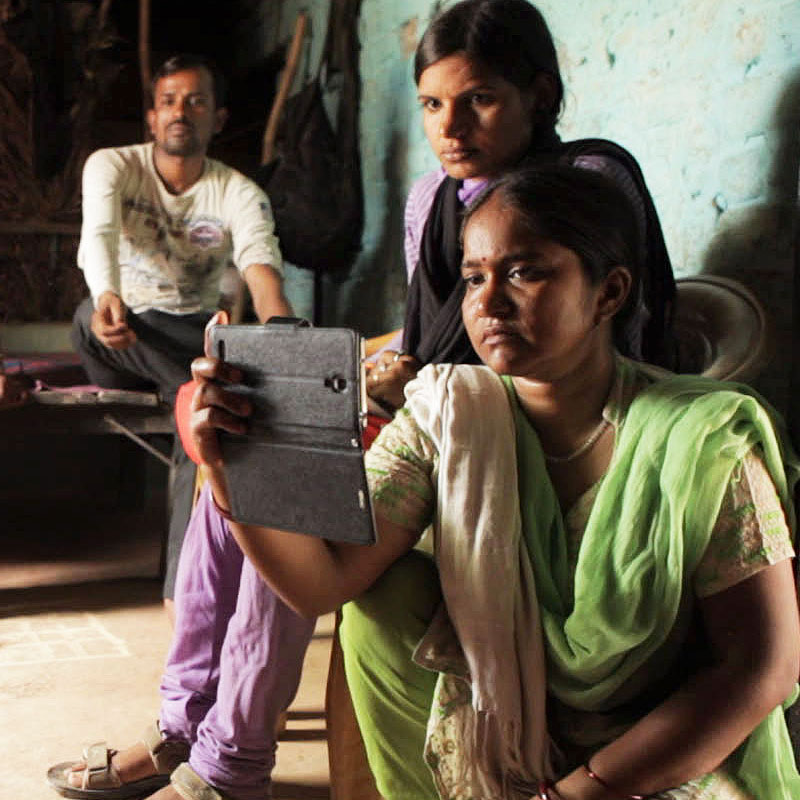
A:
(134, 772)
(186, 784)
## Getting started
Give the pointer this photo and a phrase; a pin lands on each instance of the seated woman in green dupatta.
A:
(616, 613)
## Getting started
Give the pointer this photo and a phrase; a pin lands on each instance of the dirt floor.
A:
(83, 638)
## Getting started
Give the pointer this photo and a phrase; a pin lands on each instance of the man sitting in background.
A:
(161, 221)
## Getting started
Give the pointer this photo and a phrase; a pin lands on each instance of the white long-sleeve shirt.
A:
(165, 251)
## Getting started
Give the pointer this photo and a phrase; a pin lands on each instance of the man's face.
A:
(184, 116)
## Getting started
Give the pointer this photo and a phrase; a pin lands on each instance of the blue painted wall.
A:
(705, 93)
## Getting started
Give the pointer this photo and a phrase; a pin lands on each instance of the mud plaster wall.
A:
(705, 93)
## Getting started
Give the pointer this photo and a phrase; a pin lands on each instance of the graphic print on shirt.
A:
(206, 232)
(183, 249)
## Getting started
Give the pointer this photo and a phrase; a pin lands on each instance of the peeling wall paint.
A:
(706, 94)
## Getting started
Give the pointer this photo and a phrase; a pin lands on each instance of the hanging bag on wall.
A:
(314, 178)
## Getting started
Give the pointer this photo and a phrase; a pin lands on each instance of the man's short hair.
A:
(183, 61)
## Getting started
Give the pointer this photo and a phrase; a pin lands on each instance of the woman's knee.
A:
(397, 608)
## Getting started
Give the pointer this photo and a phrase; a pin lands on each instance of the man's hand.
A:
(108, 322)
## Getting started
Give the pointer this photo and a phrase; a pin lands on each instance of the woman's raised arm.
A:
(314, 576)
(311, 575)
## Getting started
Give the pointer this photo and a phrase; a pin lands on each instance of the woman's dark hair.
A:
(582, 210)
(509, 37)
(183, 61)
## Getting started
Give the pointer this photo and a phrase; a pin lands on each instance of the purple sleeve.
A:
(418, 206)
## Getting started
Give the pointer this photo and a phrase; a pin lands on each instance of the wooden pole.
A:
(287, 77)
(145, 68)
(102, 16)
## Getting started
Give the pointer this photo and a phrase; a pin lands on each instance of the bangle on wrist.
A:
(608, 787)
(546, 791)
(223, 512)
(541, 792)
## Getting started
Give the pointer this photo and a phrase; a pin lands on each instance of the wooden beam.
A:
(39, 226)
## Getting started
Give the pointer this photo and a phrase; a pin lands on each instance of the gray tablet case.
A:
(300, 467)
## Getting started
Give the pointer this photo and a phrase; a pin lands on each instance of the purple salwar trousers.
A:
(235, 660)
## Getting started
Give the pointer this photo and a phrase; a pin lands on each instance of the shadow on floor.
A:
(80, 597)
(297, 791)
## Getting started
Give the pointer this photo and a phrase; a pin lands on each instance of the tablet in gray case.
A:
(300, 467)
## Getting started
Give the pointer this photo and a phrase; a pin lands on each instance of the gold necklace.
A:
(582, 448)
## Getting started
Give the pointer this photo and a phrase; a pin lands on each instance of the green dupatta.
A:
(675, 452)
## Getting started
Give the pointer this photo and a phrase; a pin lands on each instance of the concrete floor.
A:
(80, 662)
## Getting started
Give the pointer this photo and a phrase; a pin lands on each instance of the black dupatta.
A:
(434, 331)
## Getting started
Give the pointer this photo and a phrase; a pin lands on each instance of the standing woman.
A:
(490, 89)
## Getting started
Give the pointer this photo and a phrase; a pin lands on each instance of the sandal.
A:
(190, 786)
(101, 779)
